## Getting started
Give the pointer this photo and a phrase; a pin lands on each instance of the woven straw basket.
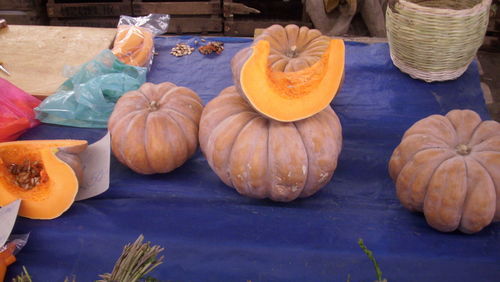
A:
(435, 40)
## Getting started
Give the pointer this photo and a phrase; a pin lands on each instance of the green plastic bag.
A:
(89, 96)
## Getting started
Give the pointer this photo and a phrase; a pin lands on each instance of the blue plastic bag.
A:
(89, 96)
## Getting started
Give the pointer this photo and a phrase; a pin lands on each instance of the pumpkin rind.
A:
(292, 95)
(448, 167)
(293, 48)
(59, 186)
(246, 149)
(155, 129)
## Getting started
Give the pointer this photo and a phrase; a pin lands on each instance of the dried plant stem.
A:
(136, 260)
(23, 277)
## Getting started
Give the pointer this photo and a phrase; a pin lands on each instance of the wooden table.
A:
(36, 55)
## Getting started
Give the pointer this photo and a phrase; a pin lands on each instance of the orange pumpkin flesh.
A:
(133, 45)
(58, 183)
(288, 96)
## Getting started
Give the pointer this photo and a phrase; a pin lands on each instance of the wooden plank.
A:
(290, 10)
(179, 25)
(247, 27)
(176, 8)
(90, 9)
(23, 17)
(86, 22)
(19, 5)
(230, 9)
(364, 39)
(37, 55)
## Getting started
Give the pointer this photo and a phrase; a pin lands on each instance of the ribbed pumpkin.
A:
(448, 167)
(289, 73)
(264, 158)
(293, 48)
(155, 128)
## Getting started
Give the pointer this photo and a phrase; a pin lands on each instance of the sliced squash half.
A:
(288, 96)
(34, 172)
(133, 45)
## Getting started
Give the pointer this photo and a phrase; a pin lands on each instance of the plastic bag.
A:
(8, 252)
(89, 96)
(134, 43)
(16, 111)
(16, 242)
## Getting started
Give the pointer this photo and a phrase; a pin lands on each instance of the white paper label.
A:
(96, 162)
(8, 215)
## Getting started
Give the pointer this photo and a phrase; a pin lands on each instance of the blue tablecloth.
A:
(211, 233)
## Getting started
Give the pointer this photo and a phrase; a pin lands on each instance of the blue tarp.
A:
(211, 233)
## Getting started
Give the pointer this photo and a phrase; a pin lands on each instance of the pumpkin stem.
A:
(153, 106)
(292, 53)
(463, 149)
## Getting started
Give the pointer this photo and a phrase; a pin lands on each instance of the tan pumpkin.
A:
(264, 158)
(293, 48)
(155, 129)
(289, 73)
(448, 167)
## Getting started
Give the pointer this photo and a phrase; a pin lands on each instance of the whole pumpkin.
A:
(289, 73)
(448, 167)
(292, 47)
(264, 158)
(155, 129)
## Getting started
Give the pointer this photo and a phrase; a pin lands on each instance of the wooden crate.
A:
(185, 16)
(88, 8)
(23, 17)
(22, 5)
(23, 12)
(242, 17)
(86, 22)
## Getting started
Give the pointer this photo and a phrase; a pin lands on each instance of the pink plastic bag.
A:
(16, 111)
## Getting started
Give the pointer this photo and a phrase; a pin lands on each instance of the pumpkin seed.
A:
(212, 47)
(181, 49)
(27, 174)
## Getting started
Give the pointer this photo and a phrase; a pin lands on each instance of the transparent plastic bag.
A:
(7, 253)
(16, 111)
(134, 44)
(89, 96)
(16, 242)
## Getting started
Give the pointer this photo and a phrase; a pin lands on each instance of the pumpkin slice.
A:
(35, 172)
(288, 96)
(133, 45)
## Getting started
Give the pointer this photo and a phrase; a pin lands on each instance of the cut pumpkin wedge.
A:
(34, 172)
(289, 96)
